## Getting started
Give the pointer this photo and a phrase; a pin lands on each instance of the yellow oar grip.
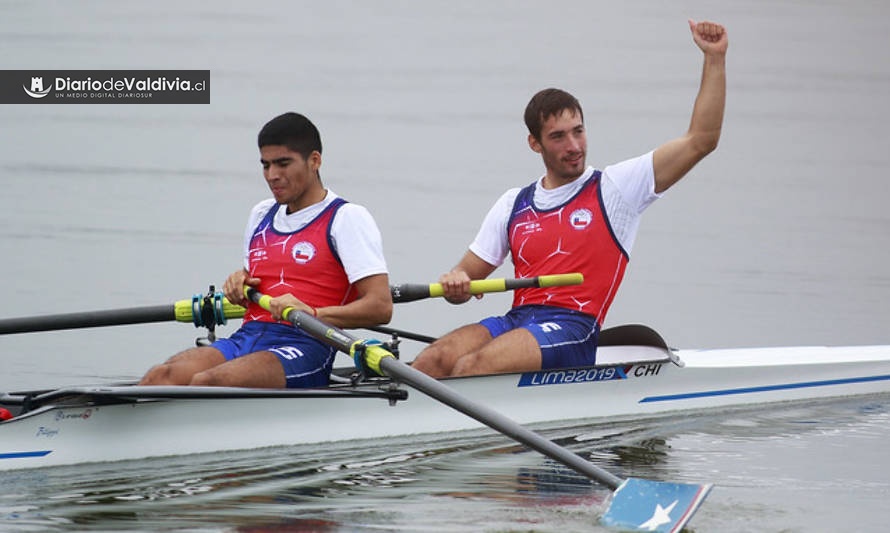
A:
(480, 286)
(557, 280)
(477, 286)
(436, 290)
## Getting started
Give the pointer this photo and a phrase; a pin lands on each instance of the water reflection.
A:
(474, 480)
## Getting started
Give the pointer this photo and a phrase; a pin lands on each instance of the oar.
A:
(409, 292)
(192, 310)
(181, 311)
(636, 504)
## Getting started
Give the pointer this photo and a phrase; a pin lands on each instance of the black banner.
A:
(104, 86)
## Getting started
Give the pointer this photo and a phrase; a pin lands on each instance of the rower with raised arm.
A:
(572, 219)
(308, 249)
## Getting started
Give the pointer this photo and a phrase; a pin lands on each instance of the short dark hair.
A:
(292, 130)
(548, 103)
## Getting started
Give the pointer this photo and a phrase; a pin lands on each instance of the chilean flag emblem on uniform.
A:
(303, 252)
(580, 218)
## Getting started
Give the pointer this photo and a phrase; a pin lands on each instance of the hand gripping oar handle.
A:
(383, 362)
(409, 292)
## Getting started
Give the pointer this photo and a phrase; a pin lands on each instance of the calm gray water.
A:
(779, 238)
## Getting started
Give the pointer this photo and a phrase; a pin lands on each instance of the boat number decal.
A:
(77, 415)
(584, 375)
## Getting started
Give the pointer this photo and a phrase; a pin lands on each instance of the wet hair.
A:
(292, 130)
(548, 103)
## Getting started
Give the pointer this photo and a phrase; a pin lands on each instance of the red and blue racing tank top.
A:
(303, 263)
(573, 237)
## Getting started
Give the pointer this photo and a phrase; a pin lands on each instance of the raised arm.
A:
(675, 158)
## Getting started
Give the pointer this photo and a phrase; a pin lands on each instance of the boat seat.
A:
(632, 334)
(632, 343)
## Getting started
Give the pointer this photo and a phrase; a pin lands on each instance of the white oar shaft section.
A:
(384, 362)
(408, 292)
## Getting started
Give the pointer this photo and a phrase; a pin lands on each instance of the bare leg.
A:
(514, 351)
(438, 359)
(258, 369)
(179, 369)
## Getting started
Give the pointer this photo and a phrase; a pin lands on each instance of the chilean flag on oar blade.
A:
(644, 505)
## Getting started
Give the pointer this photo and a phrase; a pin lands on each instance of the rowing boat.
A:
(636, 375)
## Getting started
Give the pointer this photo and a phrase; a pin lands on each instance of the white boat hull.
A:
(90, 431)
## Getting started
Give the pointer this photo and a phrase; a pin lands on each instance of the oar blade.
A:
(646, 505)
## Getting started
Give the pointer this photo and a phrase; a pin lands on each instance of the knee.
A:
(467, 365)
(429, 361)
(157, 375)
(204, 379)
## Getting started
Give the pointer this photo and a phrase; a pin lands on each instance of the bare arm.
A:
(675, 158)
(372, 307)
(456, 283)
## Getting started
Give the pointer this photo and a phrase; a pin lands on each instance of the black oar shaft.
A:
(520, 283)
(88, 319)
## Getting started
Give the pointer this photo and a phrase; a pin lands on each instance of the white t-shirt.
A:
(628, 188)
(354, 233)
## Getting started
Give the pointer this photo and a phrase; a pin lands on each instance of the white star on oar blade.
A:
(660, 517)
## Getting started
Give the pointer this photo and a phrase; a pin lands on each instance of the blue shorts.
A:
(307, 362)
(567, 338)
